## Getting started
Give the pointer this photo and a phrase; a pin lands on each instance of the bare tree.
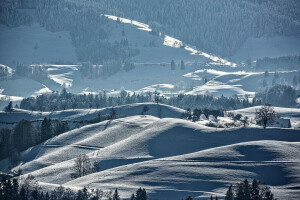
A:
(82, 166)
(265, 115)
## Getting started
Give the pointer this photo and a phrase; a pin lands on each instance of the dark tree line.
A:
(249, 191)
(65, 100)
(196, 114)
(284, 62)
(25, 134)
(89, 30)
(278, 95)
(29, 189)
(201, 22)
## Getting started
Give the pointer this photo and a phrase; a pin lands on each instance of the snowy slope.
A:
(139, 151)
(88, 114)
(228, 83)
(207, 172)
(34, 44)
(165, 47)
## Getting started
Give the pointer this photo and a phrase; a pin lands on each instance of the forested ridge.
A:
(210, 25)
(218, 27)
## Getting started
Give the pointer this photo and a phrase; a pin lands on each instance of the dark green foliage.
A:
(24, 135)
(46, 129)
(173, 65)
(9, 107)
(284, 62)
(128, 66)
(141, 194)
(278, 95)
(229, 194)
(247, 191)
(116, 195)
(145, 110)
(189, 198)
(182, 66)
(113, 113)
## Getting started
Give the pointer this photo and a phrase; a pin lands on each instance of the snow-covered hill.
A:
(169, 157)
(87, 114)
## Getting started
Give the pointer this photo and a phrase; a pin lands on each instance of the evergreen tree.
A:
(15, 190)
(132, 197)
(229, 194)
(255, 190)
(172, 65)
(266, 74)
(46, 129)
(116, 195)
(182, 66)
(9, 107)
(145, 110)
(141, 194)
(47, 197)
(295, 81)
(113, 113)
(189, 198)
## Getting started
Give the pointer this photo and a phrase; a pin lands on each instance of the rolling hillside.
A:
(169, 157)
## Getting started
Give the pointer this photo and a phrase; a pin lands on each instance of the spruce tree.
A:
(116, 195)
(229, 194)
(255, 190)
(46, 129)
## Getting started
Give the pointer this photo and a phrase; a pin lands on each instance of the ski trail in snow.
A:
(173, 42)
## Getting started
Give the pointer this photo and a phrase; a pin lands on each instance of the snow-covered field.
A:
(169, 156)
(152, 71)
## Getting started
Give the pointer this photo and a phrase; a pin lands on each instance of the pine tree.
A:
(145, 110)
(189, 198)
(116, 195)
(182, 66)
(255, 190)
(15, 190)
(47, 197)
(172, 65)
(112, 114)
(132, 197)
(46, 129)
(266, 74)
(229, 194)
(295, 81)
(9, 107)
(141, 194)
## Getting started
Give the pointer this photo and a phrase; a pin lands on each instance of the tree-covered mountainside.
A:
(219, 27)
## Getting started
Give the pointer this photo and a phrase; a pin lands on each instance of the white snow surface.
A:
(170, 157)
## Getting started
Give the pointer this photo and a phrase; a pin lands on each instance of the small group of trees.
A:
(26, 134)
(249, 191)
(173, 65)
(197, 113)
(278, 95)
(82, 166)
(27, 188)
(284, 62)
